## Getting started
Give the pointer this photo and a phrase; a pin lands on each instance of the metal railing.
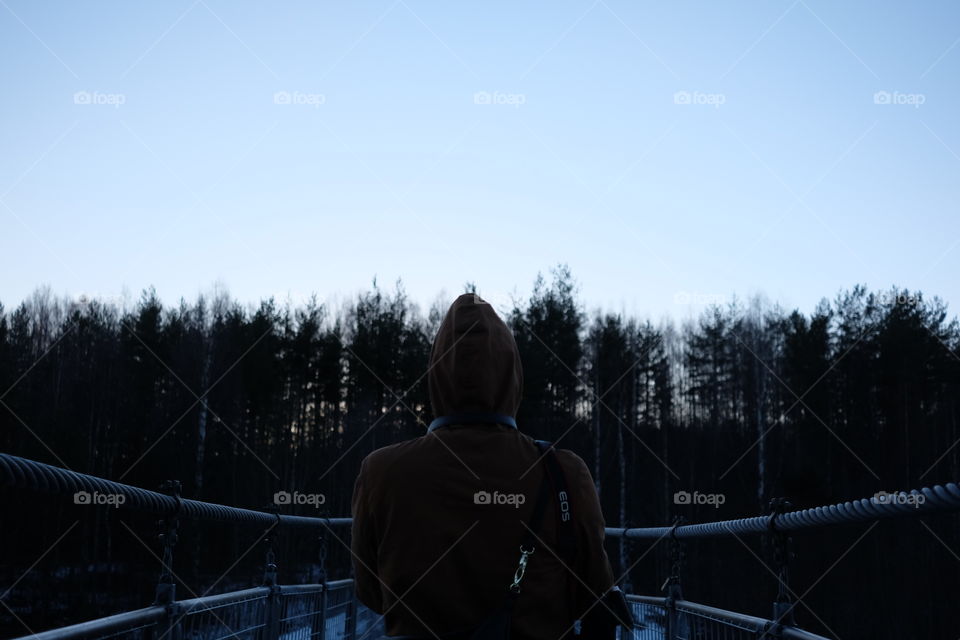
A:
(692, 620)
(330, 610)
(674, 618)
(326, 611)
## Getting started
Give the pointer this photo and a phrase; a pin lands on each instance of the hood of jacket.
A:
(474, 362)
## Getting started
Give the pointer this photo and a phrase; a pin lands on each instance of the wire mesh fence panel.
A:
(653, 620)
(142, 624)
(301, 613)
(696, 627)
(242, 617)
(141, 632)
(339, 604)
(650, 622)
(332, 612)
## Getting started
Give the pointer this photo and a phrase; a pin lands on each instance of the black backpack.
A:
(603, 617)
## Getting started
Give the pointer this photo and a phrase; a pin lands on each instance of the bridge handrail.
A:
(176, 612)
(103, 626)
(29, 474)
(21, 473)
(731, 618)
(933, 499)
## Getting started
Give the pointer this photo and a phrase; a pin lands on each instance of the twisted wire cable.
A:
(21, 473)
(914, 503)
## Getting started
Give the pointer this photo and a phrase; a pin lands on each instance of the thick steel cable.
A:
(936, 498)
(21, 473)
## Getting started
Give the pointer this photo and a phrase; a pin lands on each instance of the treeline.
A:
(747, 401)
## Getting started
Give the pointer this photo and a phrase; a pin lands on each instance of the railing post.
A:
(169, 628)
(273, 612)
(672, 584)
(781, 541)
(166, 592)
(351, 631)
(322, 634)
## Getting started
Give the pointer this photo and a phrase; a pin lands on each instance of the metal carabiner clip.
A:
(521, 568)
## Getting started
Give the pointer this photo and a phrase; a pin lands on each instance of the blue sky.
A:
(668, 152)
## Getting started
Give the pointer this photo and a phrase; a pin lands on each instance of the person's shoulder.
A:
(573, 463)
(568, 459)
(385, 456)
(580, 483)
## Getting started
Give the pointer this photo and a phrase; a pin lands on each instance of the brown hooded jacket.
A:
(431, 552)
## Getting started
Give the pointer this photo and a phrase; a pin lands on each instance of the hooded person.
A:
(438, 520)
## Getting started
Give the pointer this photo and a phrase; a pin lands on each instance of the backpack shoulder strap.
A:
(533, 529)
(566, 536)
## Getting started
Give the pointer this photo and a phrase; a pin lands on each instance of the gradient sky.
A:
(782, 174)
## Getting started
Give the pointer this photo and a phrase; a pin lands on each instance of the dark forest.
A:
(746, 400)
